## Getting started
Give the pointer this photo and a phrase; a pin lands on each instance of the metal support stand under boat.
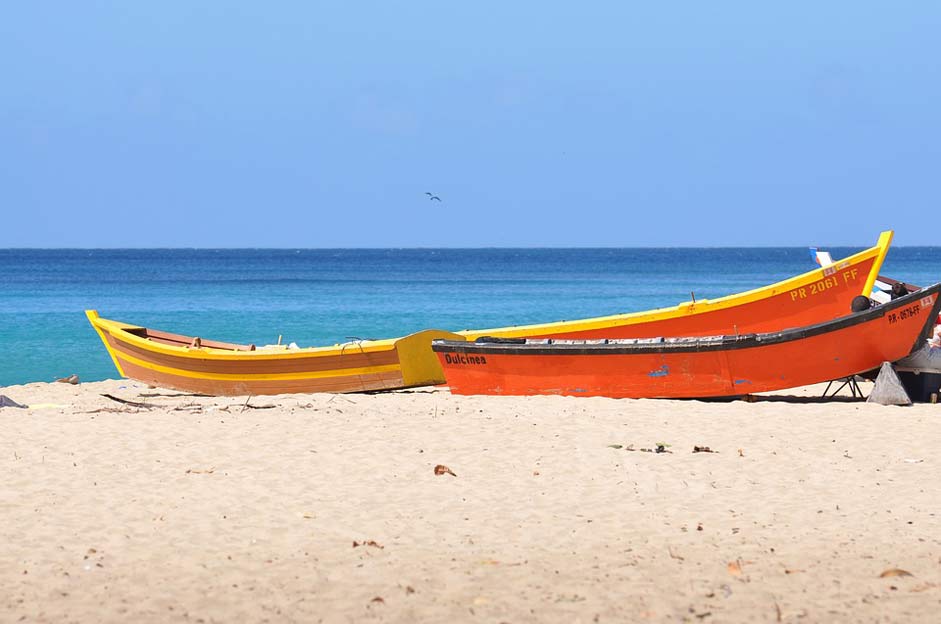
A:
(850, 382)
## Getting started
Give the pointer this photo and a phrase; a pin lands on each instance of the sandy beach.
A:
(328, 508)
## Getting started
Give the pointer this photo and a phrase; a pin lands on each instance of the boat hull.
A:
(722, 366)
(152, 358)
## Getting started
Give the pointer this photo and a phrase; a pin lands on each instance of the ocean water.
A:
(317, 296)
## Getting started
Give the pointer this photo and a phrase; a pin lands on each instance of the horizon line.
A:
(425, 248)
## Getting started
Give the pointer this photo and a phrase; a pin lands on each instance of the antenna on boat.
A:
(693, 296)
(279, 340)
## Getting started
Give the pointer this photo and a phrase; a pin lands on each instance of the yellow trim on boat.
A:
(95, 320)
(885, 239)
(335, 372)
(117, 329)
(420, 366)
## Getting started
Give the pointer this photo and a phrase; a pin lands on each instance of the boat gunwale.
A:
(699, 344)
(119, 331)
(877, 252)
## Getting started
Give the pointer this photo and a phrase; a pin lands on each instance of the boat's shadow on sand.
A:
(748, 398)
(786, 398)
(790, 398)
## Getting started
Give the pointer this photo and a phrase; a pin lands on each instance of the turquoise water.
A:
(315, 297)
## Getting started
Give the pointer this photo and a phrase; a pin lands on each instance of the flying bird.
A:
(432, 196)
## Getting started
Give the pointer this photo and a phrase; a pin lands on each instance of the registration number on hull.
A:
(824, 285)
(904, 313)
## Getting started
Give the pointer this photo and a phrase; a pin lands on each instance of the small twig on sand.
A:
(126, 402)
(247, 405)
(175, 394)
(189, 407)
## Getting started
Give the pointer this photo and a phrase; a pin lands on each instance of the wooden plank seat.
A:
(179, 340)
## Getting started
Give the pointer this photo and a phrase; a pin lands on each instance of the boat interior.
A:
(179, 340)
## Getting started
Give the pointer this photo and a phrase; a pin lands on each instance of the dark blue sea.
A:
(324, 296)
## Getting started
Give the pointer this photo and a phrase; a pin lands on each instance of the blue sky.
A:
(306, 124)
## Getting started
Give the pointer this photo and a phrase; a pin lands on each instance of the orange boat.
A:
(693, 367)
(813, 297)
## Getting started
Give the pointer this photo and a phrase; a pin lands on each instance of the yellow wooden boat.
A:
(210, 367)
(193, 364)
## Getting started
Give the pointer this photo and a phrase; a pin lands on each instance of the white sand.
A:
(203, 511)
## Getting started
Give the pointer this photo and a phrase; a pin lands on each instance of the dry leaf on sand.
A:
(441, 469)
(895, 572)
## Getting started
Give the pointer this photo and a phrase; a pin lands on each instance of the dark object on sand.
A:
(921, 386)
(6, 401)
(71, 379)
(888, 389)
(131, 403)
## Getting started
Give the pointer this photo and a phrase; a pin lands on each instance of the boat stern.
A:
(420, 365)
